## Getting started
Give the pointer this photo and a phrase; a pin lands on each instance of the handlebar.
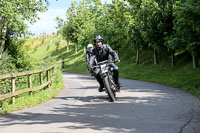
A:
(103, 62)
(106, 61)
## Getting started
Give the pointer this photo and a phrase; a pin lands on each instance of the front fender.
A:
(96, 71)
(104, 75)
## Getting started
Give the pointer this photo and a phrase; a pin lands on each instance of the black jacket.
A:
(102, 54)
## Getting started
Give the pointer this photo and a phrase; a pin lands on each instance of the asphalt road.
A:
(141, 107)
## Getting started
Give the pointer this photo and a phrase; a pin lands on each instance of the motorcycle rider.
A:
(104, 52)
(88, 55)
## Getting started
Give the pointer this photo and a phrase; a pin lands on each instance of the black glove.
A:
(116, 61)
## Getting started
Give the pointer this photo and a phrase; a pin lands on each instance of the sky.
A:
(47, 21)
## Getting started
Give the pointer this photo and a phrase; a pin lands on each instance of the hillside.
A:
(181, 76)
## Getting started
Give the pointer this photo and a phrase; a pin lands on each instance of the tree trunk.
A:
(84, 50)
(173, 59)
(118, 51)
(195, 62)
(67, 46)
(155, 57)
(3, 36)
(137, 56)
(76, 48)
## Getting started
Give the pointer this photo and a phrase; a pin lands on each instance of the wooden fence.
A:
(30, 88)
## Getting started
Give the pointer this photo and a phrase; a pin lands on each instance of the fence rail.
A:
(30, 89)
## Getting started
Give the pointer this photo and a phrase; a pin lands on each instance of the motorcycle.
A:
(105, 72)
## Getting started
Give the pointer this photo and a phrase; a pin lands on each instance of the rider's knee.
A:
(116, 68)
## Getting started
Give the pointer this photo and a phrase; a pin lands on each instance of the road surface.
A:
(141, 107)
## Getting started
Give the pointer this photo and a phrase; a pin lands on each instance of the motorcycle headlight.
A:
(103, 67)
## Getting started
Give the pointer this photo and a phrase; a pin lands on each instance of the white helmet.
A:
(89, 46)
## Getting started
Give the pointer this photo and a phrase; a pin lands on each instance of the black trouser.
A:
(115, 75)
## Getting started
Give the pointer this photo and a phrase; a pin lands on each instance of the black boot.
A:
(100, 83)
(118, 87)
(101, 88)
(116, 79)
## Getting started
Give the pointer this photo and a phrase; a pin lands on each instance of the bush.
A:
(6, 64)
(19, 57)
(48, 47)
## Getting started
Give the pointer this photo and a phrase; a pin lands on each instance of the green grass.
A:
(181, 76)
(184, 77)
(25, 100)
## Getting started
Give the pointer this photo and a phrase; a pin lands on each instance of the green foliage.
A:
(60, 24)
(187, 26)
(48, 47)
(6, 64)
(9, 64)
(57, 45)
(20, 58)
(35, 49)
(42, 41)
(14, 17)
(163, 25)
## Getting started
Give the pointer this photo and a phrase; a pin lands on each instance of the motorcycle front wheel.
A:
(109, 90)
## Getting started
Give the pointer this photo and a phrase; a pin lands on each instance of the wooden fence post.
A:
(30, 84)
(13, 88)
(41, 78)
(48, 78)
(50, 73)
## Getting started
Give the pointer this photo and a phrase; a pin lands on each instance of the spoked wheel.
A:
(111, 93)
(113, 86)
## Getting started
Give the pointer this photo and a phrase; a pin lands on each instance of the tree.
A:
(187, 27)
(60, 24)
(135, 38)
(15, 13)
(80, 25)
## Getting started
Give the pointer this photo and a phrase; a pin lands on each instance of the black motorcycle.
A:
(105, 72)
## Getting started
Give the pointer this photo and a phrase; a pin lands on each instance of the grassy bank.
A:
(181, 76)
